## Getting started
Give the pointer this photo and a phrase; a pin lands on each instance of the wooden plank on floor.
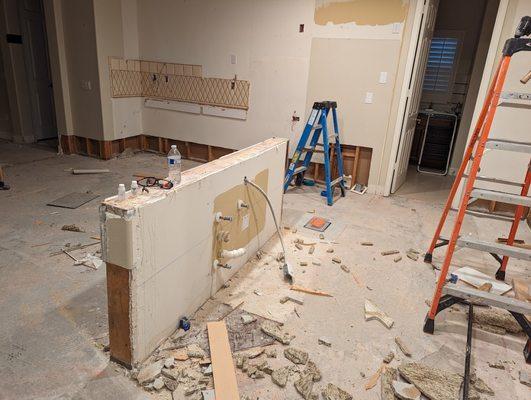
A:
(225, 383)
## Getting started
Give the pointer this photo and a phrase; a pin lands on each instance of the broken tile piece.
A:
(296, 356)
(373, 312)
(150, 372)
(389, 357)
(386, 381)
(247, 319)
(324, 341)
(332, 392)
(280, 376)
(412, 255)
(321, 236)
(271, 353)
(311, 249)
(312, 369)
(304, 385)
(194, 351)
(405, 391)
(402, 346)
(272, 329)
(366, 243)
(345, 268)
(330, 250)
(397, 259)
(337, 260)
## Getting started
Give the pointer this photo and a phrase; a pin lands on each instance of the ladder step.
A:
(496, 180)
(334, 136)
(337, 180)
(496, 248)
(298, 170)
(309, 149)
(494, 300)
(484, 214)
(501, 197)
(508, 145)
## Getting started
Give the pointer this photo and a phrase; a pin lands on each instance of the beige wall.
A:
(340, 59)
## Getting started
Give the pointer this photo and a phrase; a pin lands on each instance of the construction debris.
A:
(386, 382)
(247, 319)
(194, 351)
(272, 329)
(438, 384)
(72, 228)
(402, 346)
(296, 356)
(412, 254)
(373, 312)
(367, 244)
(373, 380)
(397, 259)
(497, 318)
(389, 357)
(332, 392)
(337, 260)
(405, 391)
(298, 246)
(304, 385)
(271, 353)
(309, 291)
(311, 249)
(225, 383)
(321, 236)
(296, 300)
(89, 171)
(324, 341)
(280, 376)
(496, 365)
(312, 369)
(330, 250)
(303, 263)
(389, 252)
(149, 372)
(158, 384)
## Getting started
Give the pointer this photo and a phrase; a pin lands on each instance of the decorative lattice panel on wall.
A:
(179, 82)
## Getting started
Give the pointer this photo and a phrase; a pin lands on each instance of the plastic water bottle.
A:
(121, 192)
(134, 188)
(174, 165)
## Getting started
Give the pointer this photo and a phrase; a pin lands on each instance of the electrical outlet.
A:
(383, 77)
(368, 97)
(233, 59)
(396, 28)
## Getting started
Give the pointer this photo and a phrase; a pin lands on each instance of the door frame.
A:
(410, 63)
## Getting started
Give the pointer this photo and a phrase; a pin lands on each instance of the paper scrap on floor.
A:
(475, 278)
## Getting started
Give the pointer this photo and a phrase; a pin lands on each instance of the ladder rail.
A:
(462, 168)
(482, 139)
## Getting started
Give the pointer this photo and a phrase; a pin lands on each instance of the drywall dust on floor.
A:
(361, 12)
(54, 314)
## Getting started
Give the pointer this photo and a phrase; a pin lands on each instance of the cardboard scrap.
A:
(476, 279)
(373, 312)
(225, 385)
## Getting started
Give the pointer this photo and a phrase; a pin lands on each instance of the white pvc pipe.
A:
(233, 253)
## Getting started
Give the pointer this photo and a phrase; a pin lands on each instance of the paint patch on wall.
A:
(247, 222)
(361, 12)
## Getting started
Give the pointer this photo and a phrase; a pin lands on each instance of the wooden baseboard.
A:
(107, 149)
(356, 159)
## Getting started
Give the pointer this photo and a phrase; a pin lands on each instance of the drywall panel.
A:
(347, 80)
(171, 238)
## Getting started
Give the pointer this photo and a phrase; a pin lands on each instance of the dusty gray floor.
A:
(54, 317)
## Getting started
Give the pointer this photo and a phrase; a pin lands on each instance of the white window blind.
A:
(441, 63)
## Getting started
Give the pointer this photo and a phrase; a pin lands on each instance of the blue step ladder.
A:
(300, 161)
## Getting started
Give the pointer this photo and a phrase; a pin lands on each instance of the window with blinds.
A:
(441, 64)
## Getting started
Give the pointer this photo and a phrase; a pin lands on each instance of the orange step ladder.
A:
(446, 293)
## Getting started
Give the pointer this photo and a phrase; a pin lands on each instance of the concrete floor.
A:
(54, 315)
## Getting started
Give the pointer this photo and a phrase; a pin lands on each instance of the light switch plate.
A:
(368, 97)
(233, 59)
(383, 77)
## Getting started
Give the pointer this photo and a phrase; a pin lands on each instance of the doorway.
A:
(37, 64)
(453, 42)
